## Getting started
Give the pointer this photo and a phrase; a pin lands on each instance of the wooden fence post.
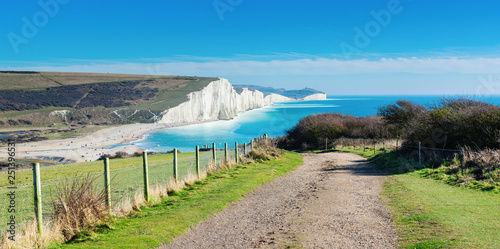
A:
(214, 154)
(198, 161)
(326, 143)
(107, 183)
(342, 142)
(236, 152)
(176, 177)
(226, 156)
(146, 175)
(38, 197)
(244, 149)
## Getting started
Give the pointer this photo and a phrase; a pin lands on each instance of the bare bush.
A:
(481, 165)
(447, 124)
(79, 206)
(313, 130)
(265, 149)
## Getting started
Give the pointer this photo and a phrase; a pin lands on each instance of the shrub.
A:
(79, 206)
(119, 154)
(312, 130)
(403, 114)
(448, 124)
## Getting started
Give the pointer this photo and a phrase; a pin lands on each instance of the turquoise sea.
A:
(273, 120)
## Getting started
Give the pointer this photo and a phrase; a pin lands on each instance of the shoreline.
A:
(90, 147)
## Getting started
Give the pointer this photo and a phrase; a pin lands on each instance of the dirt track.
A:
(332, 201)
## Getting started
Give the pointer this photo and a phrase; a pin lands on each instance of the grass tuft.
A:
(79, 206)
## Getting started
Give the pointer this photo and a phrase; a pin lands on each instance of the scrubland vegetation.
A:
(459, 138)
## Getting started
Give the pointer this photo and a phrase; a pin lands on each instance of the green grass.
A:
(11, 114)
(40, 81)
(70, 170)
(452, 176)
(162, 222)
(430, 213)
(175, 96)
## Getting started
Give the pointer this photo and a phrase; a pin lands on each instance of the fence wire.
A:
(127, 179)
(16, 201)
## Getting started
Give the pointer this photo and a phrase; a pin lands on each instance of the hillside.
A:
(40, 99)
(52, 105)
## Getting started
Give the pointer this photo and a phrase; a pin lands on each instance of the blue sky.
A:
(340, 47)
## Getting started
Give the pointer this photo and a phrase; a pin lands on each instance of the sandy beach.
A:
(88, 147)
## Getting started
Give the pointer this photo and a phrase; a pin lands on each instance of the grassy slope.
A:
(175, 93)
(70, 170)
(11, 114)
(175, 96)
(52, 79)
(158, 224)
(432, 214)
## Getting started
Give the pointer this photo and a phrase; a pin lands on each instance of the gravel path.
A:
(331, 201)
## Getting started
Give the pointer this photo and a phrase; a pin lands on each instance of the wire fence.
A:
(425, 156)
(18, 202)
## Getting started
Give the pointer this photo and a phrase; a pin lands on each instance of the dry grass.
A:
(264, 149)
(79, 205)
(27, 236)
(367, 143)
(482, 165)
(138, 201)
(158, 193)
(123, 208)
(245, 159)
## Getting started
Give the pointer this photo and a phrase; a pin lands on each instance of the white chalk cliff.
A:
(219, 100)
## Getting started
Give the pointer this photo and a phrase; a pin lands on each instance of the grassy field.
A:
(11, 114)
(70, 170)
(50, 79)
(432, 214)
(155, 225)
(175, 95)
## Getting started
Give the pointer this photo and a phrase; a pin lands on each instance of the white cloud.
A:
(318, 66)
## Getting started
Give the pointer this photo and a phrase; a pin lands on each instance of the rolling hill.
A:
(48, 98)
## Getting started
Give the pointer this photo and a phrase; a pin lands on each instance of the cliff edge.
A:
(220, 100)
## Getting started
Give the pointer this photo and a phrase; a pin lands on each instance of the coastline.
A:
(90, 147)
